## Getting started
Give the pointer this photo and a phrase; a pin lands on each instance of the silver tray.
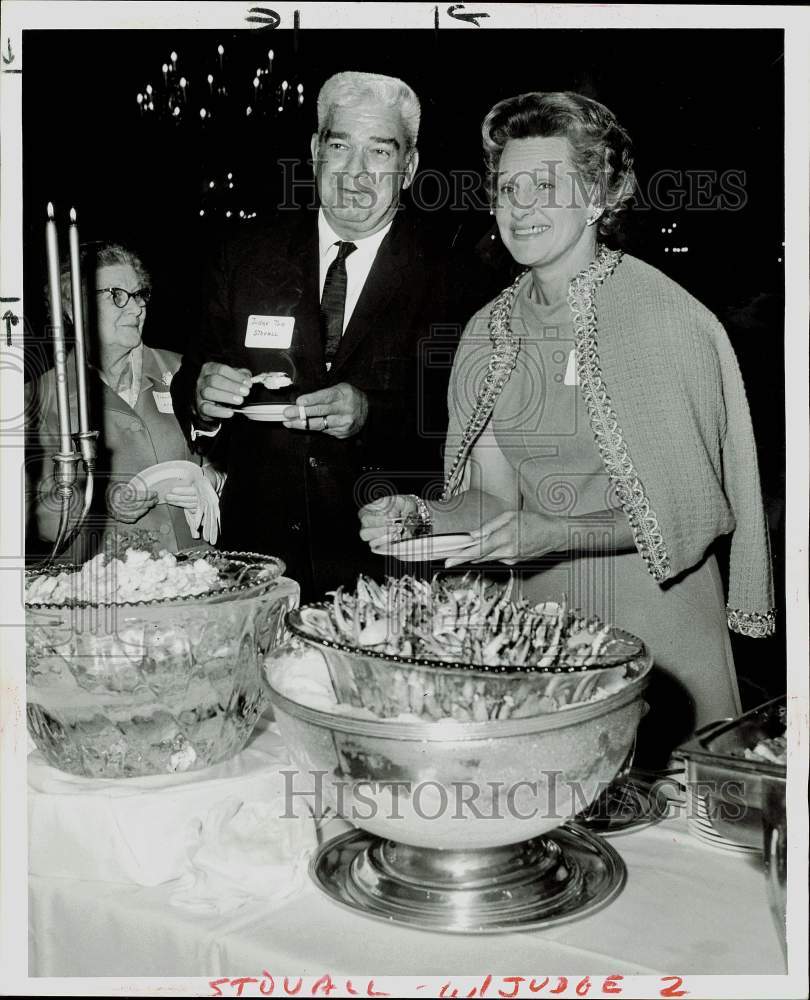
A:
(733, 788)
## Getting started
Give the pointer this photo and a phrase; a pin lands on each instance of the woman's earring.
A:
(492, 211)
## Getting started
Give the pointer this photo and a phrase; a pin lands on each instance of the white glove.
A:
(205, 514)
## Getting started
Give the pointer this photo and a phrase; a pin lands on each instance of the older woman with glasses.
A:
(130, 405)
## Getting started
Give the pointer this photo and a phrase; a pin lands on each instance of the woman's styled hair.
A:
(92, 256)
(602, 150)
(350, 89)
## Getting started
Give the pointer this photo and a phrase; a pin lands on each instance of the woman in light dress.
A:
(599, 439)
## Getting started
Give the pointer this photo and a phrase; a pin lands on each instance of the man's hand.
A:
(340, 411)
(514, 536)
(220, 389)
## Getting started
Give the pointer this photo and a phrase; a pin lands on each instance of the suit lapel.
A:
(97, 390)
(284, 282)
(153, 370)
(386, 276)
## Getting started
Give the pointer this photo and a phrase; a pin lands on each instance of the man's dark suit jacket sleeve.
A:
(213, 341)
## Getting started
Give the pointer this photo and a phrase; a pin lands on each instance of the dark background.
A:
(694, 101)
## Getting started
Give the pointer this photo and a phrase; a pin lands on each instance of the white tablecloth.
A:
(686, 908)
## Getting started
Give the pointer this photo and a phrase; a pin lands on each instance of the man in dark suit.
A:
(343, 307)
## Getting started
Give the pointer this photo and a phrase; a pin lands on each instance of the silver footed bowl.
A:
(447, 783)
(152, 687)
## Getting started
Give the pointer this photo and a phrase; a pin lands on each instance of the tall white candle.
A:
(58, 334)
(78, 322)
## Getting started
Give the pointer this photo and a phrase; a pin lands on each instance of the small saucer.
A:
(264, 411)
(568, 874)
(424, 548)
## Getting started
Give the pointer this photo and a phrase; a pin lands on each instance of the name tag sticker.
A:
(269, 331)
(571, 377)
(163, 401)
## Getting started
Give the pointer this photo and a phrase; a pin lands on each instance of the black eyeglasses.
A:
(121, 296)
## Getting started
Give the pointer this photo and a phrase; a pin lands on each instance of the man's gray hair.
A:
(350, 89)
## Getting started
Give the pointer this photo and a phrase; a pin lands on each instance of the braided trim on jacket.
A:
(502, 362)
(751, 623)
(604, 423)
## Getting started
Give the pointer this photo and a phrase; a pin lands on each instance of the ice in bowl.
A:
(411, 693)
(149, 663)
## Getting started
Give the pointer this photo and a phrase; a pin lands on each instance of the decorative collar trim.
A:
(604, 422)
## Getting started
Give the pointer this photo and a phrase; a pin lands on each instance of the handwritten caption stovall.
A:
(506, 987)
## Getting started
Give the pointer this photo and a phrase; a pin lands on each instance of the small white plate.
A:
(264, 411)
(424, 548)
(162, 477)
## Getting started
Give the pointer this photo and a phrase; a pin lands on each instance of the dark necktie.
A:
(333, 301)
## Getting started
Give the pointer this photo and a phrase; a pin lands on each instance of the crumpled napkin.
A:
(141, 830)
(246, 851)
(205, 516)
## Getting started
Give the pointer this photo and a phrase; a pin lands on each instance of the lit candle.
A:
(149, 89)
(165, 70)
(210, 83)
(173, 58)
(78, 322)
(58, 334)
(183, 84)
(140, 104)
(220, 53)
(270, 56)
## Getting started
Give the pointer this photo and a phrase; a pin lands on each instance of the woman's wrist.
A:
(562, 533)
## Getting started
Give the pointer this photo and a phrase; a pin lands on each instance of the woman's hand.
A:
(514, 536)
(183, 494)
(383, 519)
(129, 506)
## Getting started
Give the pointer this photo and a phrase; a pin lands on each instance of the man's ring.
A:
(325, 423)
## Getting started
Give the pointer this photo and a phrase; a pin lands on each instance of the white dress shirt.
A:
(358, 263)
